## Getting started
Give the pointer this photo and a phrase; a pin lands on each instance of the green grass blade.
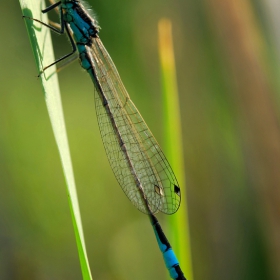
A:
(180, 239)
(42, 48)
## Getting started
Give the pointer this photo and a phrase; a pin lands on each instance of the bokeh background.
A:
(227, 59)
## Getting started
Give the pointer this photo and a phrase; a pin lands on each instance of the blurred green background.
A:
(227, 56)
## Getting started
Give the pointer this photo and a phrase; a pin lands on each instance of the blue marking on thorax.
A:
(82, 25)
(81, 29)
(79, 37)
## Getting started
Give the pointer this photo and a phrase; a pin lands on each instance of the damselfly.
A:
(137, 161)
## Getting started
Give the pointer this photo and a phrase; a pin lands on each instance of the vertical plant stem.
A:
(43, 52)
(180, 238)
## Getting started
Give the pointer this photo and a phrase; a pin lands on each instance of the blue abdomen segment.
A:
(170, 259)
(168, 254)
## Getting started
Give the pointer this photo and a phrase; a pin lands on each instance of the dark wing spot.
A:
(177, 190)
(158, 190)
